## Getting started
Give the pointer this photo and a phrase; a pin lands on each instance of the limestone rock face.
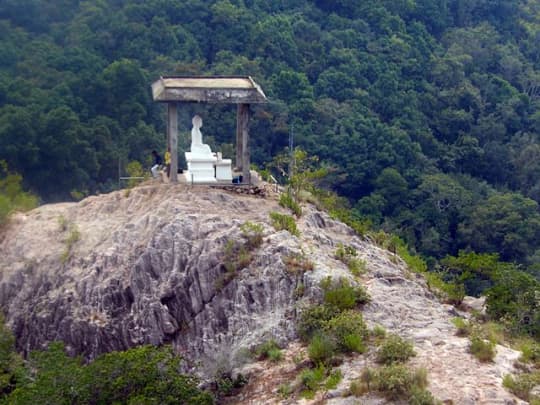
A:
(146, 268)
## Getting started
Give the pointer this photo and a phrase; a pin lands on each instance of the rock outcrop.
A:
(147, 266)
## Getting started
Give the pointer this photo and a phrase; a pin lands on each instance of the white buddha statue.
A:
(198, 148)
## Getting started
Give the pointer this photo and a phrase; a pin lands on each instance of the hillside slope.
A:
(146, 266)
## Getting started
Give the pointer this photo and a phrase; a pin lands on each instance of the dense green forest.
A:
(426, 112)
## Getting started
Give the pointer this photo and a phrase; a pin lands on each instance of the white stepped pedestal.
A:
(223, 170)
(200, 168)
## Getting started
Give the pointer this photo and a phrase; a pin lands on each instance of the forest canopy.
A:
(428, 111)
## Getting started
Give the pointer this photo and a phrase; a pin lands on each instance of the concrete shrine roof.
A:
(208, 89)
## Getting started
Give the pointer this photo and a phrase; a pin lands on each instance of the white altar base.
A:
(200, 168)
(203, 166)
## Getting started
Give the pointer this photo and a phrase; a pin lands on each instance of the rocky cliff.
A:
(147, 266)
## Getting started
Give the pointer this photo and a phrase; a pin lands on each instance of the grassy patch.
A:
(349, 331)
(284, 222)
(253, 234)
(321, 349)
(311, 380)
(395, 350)
(483, 350)
(395, 382)
(522, 384)
(463, 326)
(238, 255)
(378, 334)
(269, 350)
(286, 200)
(341, 294)
(313, 320)
(285, 390)
(530, 352)
(348, 255)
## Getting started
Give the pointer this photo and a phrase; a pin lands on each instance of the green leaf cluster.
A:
(144, 374)
(12, 196)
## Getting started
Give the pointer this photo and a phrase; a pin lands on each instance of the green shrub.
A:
(522, 384)
(299, 291)
(395, 350)
(63, 223)
(464, 327)
(345, 252)
(253, 233)
(398, 382)
(12, 196)
(342, 295)
(378, 332)
(333, 380)
(226, 385)
(353, 343)
(321, 349)
(135, 169)
(313, 320)
(452, 293)
(530, 352)
(348, 255)
(275, 355)
(421, 396)
(311, 380)
(286, 200)
(357, 266)
(12, 372)
(268, 350)
(395, 382)
(483, 350)
(380, 237)
(349, 331)
(285, 390)
(144, 374)
(78, 195)
(368, 377)
(235, 257)
(284, 222)
(358, 388)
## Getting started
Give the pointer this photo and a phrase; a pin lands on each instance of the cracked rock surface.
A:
(147, 267)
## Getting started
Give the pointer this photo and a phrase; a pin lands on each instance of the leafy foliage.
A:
(522, 384)
(340, 294)
(395, 382)
(145, 375)
(287, 201)
(284, 222)
(12, 372)
(395, 350)
(12, 196)
(483, 350)
(268, 350)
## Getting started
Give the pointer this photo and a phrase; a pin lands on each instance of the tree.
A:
(12, 195)
(514, 300)
(144, 374)
(12, 371)
(301, 171)
(391, 185)
(506, 223)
